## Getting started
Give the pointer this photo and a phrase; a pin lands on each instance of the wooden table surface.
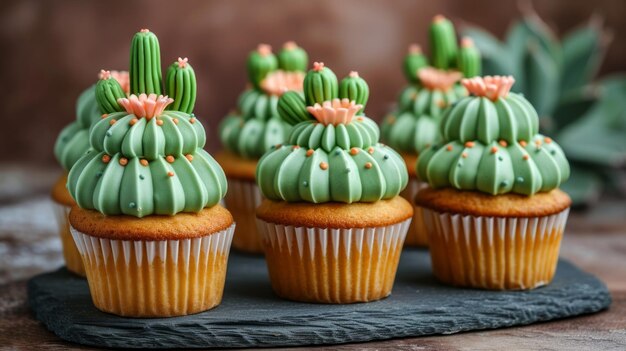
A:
(595, 240)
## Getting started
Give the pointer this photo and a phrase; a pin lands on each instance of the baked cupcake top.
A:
(147, 155)
(432, 87)
(73, 141)
(491, 144)
(255, 126)
(333, 152)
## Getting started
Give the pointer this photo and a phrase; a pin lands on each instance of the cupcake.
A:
(494, 213)
(71, 144)
(414, 125)
(332, 222)
(148, 226)
(247, 133)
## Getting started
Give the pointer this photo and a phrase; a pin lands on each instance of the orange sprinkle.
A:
(370, 150)
(464, 155)
(523, 143)
(169, 158)
(494, 149)
(112, 121)
(105, 115)
(368, 165)
(538, 142)
(189, 157)
(175, 120)
(324, 165)
(441, 103)
(278, 146)
(133, 121)
(449, 147)
(106, 158)
(548, 140)
(526, 157)
(503, 143)
(469, 144)
(159, 122)
(123, 161)
(295, 147)
(360, 119)
(144, 162)
(391, 119)
(192, 120)
(309, 152)
(354, 151)
(170, 174)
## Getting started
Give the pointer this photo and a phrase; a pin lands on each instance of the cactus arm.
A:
(260, 63)
(292, 108)
(145, 64)
(320, 84)
(180, 83)
(354, 88)
(443, 43)
(469, 59)
(108, 90)
(292, 58)
(413, 62)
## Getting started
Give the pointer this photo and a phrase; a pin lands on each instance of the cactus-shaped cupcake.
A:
(71, 144)
(494, 213)
(433, 87)
(254, 127)
(148, 217)
(332, 210)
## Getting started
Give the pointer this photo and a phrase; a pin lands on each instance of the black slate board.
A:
(252, 316)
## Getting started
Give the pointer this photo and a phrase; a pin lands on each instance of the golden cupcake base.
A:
(332, 265)
(73, 261)
(417, 234)
(155, 278)
(497, 253)
(242, 199)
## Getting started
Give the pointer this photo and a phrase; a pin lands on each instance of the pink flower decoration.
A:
(147, 106)
(182, 62)
(435, 79)
(318, 66)
(290, 45)
(264, 49)
(278, 82)
(491, 87)
(415, 49)
(335, 111)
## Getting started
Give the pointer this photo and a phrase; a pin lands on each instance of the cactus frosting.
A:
(491, 144)
(73, 141)
(148, 158)
(180, 84)
(332, 153)
(145, 64)
(414, 124)
(255, 126)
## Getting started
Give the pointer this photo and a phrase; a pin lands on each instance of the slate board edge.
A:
(52, 317)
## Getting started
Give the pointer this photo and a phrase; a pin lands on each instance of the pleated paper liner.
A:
(73, 261)
(494, 252)
(332, 265)
(416, 236)
(242, 199)
(155, 278)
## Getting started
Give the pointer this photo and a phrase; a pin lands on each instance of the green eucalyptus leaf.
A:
(583, 51)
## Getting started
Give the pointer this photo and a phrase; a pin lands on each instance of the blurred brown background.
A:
(52, 50)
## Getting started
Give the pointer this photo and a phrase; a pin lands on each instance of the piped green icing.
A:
(320, 84)
(320, 163)
(108, 90)
(414, 124)
(355, 88)
(145, 64)
(148, 162)
(493, 147)
(180, 85)
(256, 126)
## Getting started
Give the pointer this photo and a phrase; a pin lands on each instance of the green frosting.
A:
(415, 124)
(150, 163)
(256, 126)
(73, 141)
(329, 163)
(493, 147)
(140, 190)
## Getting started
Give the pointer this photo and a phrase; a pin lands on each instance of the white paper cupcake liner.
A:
(242, 199)
(416, 235)
(332, 265)
(494, 252)
(155, 278)
(73, 261)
